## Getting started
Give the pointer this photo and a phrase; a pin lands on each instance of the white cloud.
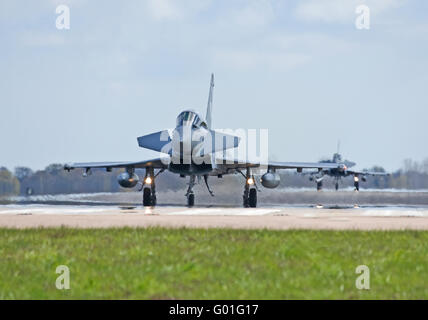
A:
(244, 59)
(313, 43)
(163, 9)
(175, 10)
(341, 11)
(281, 52)
(42, 39)
(255, 13)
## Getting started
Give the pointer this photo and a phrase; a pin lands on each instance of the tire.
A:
(191, 200)
(319, 186)
(147, 197)
(245, 201)
(154, 200)
(337, 186)
(357, 186)
(252, 199)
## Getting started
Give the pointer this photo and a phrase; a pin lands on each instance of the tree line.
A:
(54, 180)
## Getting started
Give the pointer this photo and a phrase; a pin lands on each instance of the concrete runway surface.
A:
(273, 217)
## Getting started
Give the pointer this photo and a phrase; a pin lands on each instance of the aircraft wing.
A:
(284, 165)
(367, 173)
(304, 165)
(157, 163)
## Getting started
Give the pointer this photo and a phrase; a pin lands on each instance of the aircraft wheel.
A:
(252, 199)
(337, 186)
(319, 186)
(154, 200)
(191, 200)
(147, 197)
(245, 201)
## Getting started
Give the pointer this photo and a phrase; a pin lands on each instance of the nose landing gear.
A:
(191, 200)
(190, 194)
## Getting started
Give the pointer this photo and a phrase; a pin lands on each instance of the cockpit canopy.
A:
(189, 117)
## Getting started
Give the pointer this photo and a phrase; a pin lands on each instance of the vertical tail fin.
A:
(208, 117)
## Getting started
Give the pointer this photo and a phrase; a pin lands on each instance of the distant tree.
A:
(9, 185)
(377, 169)
(425, 166)
(22, 173)
(54, 168)
(409, 165)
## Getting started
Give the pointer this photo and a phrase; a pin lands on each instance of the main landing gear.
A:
(357, 183)
(318, 180)
(149, 197)
(250, 191)
(149, 188)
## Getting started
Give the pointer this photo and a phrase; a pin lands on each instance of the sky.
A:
(300, 69)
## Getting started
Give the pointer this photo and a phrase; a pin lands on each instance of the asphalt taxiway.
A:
(274, 217)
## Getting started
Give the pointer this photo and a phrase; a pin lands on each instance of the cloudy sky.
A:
(299, 68)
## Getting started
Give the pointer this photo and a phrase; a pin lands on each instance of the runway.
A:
(271, 217)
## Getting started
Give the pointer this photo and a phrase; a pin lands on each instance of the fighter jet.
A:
(341, 172)
(193, 149)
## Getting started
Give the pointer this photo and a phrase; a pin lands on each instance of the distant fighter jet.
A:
(341, 171)
(180, 145)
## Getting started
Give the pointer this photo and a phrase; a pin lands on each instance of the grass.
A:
(159, 263)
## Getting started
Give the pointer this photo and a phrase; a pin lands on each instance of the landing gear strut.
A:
(189, 194)
(149, 189)
(250, 192)
(357, 183)
(208, 187)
